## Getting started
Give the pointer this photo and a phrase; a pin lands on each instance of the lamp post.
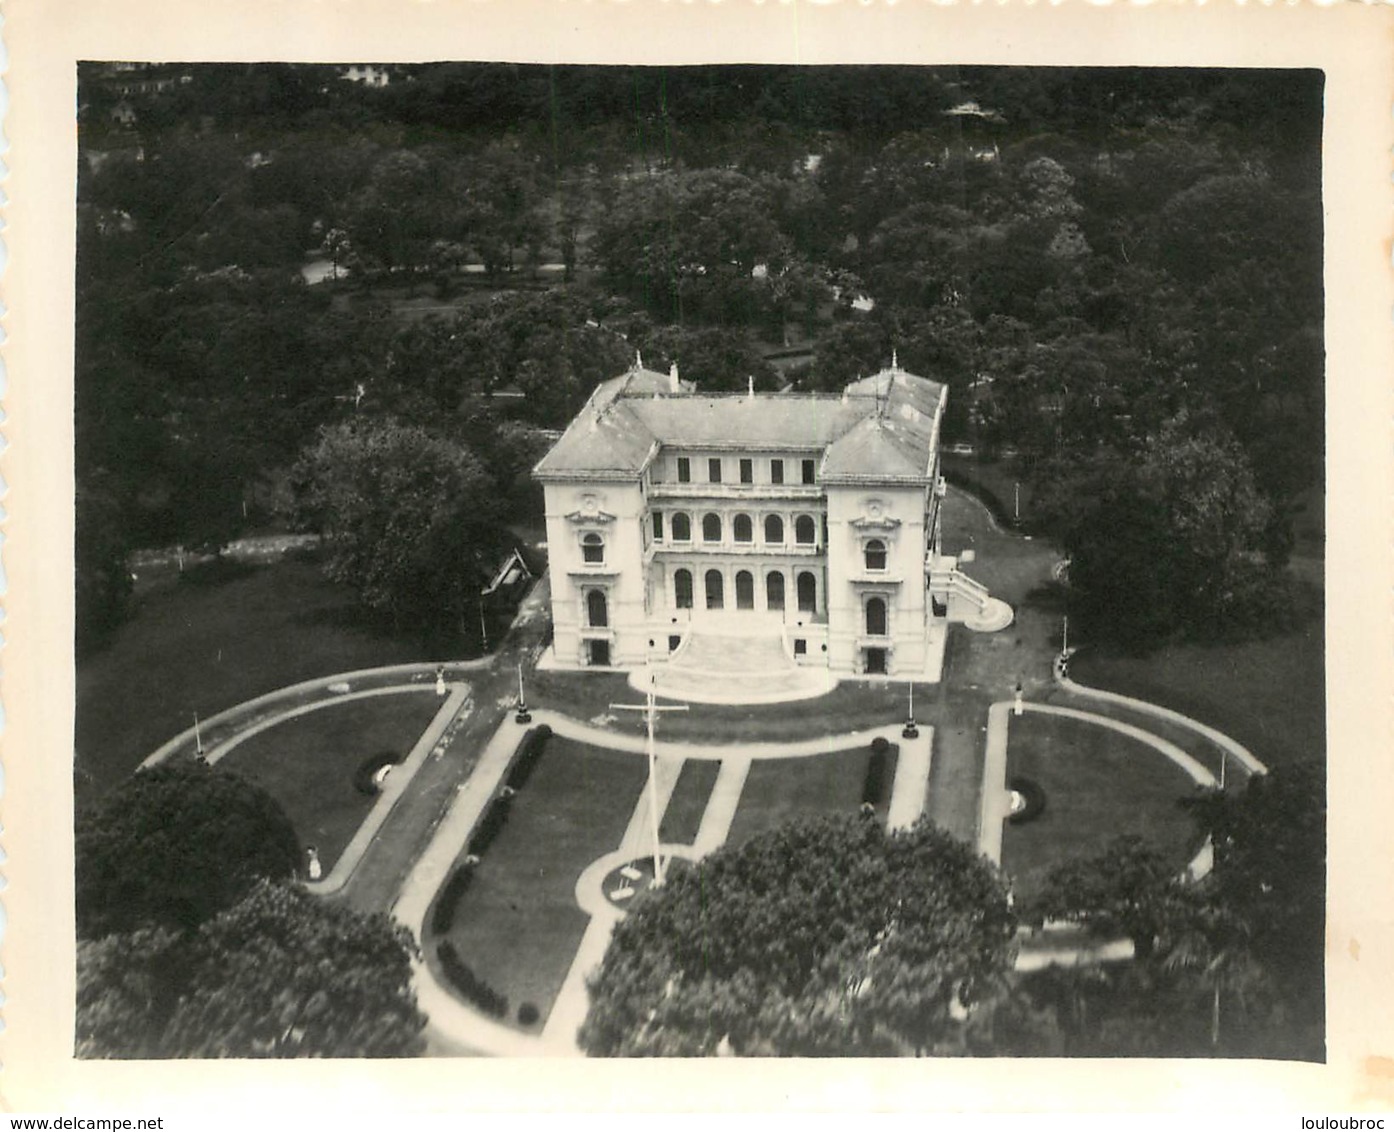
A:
(523, 715)
(483, 631)
(910, 730)
(198, 740)
(651, 710)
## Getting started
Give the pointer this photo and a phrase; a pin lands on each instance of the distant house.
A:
(367, 74)
(122, 114)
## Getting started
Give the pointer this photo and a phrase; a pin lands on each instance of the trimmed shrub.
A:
(490, 824)
(474, 989)
(525, 759)
(877, 767)
(363, 776)
(443, 916)
(528, 1014)
(1032, 795)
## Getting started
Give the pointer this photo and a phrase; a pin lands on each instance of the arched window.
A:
(682, 528)
(805, 530)
(875, 617)
(713, 581)
(682, 588)
(741, 529)
(774, 590)
(774, 530)
(711, 528)
(808, 593)
(593, 548)
(876, 555)
(745, 590)
(597, 616)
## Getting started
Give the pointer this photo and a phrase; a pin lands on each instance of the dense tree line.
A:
(1086, 257)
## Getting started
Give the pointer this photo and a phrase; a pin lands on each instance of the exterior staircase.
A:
(967, 600)
(741, 663)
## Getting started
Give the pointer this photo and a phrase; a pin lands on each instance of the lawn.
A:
(518, 925)
(1099, 785)
(1269, 694)
(307, 763)
(683, 817)
(205, 646)
(782, 790)
(851, 706)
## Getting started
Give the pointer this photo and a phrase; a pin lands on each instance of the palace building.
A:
(810, 523)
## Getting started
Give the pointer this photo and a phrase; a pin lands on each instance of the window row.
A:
(745, 469)
(742, 529)
(714, 593)
(714, 590)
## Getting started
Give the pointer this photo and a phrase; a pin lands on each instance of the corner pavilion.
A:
(690, 528)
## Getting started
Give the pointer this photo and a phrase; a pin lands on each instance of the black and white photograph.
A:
(723, 558)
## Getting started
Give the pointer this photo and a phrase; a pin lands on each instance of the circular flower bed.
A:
(1028, 800)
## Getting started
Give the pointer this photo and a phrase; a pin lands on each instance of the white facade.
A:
(814, 517)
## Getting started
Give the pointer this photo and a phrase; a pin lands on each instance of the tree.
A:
(1130, 889)
(1197, 983)
(174, 845)
(279, 974)
(824, 937)
(1270, 868)
(1166, 539)
(409, 518)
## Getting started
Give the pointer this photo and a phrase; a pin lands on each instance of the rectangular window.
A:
(658, 526)
(808, 471)
(714, 470)
(747, 471)
(776, 471)
(673, 643)
(800, 647)
(684, 470)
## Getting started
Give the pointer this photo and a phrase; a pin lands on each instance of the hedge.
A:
(363, 776)
(877, 768)
(470, 985)
(1032, 795)
(443, 917)
(530, 750)
(490, 824)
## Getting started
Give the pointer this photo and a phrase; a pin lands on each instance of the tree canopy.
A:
(410, 519)
(1231, 964)
(173, 846)
(822, 937)
(279, 974)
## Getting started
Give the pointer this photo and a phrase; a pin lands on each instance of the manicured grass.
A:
(203, 647)
(1268, 695)
(781, 790)
(518, 925)
(1099, 786)
(307, 763)
(850, 706)
(688, 802)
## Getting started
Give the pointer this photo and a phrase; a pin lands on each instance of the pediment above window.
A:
(880, 522)
(596, 516)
